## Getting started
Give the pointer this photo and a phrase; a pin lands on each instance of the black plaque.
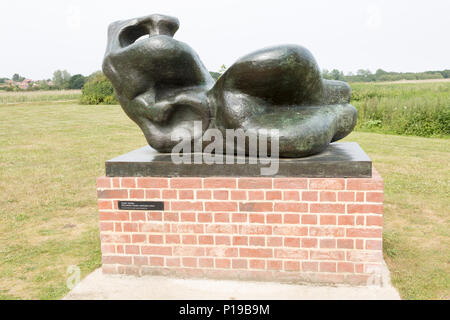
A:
(142, 205)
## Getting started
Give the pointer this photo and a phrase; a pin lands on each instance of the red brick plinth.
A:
(326, 230)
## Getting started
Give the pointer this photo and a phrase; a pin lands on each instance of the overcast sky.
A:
(38, 37)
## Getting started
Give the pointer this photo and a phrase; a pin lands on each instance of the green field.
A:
(51, 154)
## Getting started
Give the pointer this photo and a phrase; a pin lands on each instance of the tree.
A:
(61, 79)
(337, 75)
(17, 78)
(77, 81)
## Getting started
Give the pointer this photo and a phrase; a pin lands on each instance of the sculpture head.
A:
(164, 87)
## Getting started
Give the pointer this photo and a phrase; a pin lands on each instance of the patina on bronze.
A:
(163, 86)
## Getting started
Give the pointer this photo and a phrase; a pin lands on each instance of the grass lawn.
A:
(51, 154)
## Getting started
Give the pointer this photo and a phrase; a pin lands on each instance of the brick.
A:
(290, 253)
(359, 197)
(274, 264)
(169, 194)
(327, 255)
(217, 183)
(222, 217)
(292, 242)
(222, 240)
(105, 204)
(140, 260)
(256, 206)
(138, 238)
(327, 243)
(290, 207)
(374, 245)
(116, 260)
(138, 216)
(222, 252)
(149, 182)
(292, 266)
(291, 218)
(186, 206)
(155, 239)
(256, 195)
(187, 217)
(327, 267)
(309, 243)
(310, 195)
(156, 261)
(364, 256)
(193, 251)
(112, 194)
(257, 264)
(239, 217)
(173, 262)
(345, 243)
(189, 239)
(205, 240)
(131, 249)
(274, 218)
(290, 230)
(108, 248)
(103, 182)
(346, 196)
(220, 206)
(171, 216)
(238, 195)
(156, 250)
(326, 232)
(186, 183)
(327, 219)
(189, 262)
(130, 227)
(240, 241)
(273, 195)
(154, 216)
(220, 194)
(219, 228)
(327, 196)
(118, 227)
(346, 220)
(172, 238)
(326, 184)
(374, 221)
(327, 208)
(204, 217)
(223, 263)
(187, 228)
(153, 227)
(310, 266)
(360, 220)
(186, 194)
(255, 253)
(206, 262)
(374, 197)
(291, 196)
(364, 184)
(345, 267)
(274, 241)
(359, 244)
(363, 233)
(255, 183)
(309, 219)
(256, 218)
(365, 208)
(290, 183)
(137, 194)
(106, 226)
(116, 182)
(255, 229)
(203, 194)
(115, 238)
(239, 263)
(257, 241)
(128, 183)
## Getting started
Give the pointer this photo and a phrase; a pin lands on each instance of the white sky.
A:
(39, 37)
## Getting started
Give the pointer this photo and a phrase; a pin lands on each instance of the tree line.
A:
(365, 75)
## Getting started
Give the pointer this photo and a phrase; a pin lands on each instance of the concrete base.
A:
(99, 286)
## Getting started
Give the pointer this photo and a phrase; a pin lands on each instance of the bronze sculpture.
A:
(163, 86)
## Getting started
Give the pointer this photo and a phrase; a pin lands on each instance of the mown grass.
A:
(51, 154)
(7, 97)
(421, 109)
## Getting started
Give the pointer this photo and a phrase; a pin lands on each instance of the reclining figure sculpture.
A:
(163, 86)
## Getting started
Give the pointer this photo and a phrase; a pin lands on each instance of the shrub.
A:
(98, 90)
